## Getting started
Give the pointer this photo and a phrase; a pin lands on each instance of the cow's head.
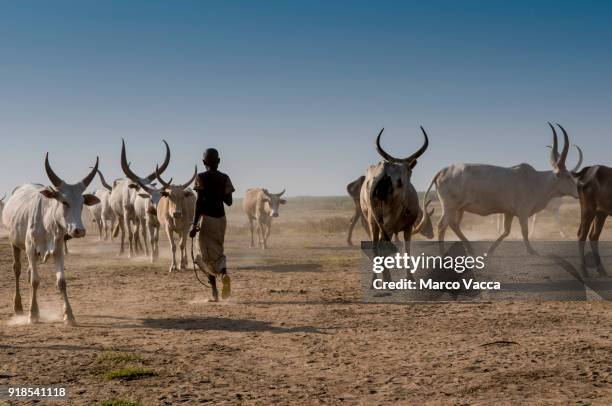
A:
(71, 198)
(565, 182)
(274, 201)
(425, 226)
(176, 195)
(144, 186)
(396, 172)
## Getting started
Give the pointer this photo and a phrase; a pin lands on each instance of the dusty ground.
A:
(295, 330)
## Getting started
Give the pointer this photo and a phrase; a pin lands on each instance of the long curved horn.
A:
(577, 167)
(55, 180)
(125, 166)
(554, 151)
(163, 182)
(103, 181)
(409, 159)
(281, 193)
(195, 173)
(163, 166)
(90, 177)
(565, 150)
(421, 150)
(383, 153)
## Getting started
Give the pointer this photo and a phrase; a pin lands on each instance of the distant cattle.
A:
(261, 207)
(38, 219)
(123, 196)
(102, 215)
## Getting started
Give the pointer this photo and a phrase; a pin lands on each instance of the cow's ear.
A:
(143, 195)
(187, 193)
(282, 201)
(49, 194)
(90, 200)
(133, 186)
(165, 194)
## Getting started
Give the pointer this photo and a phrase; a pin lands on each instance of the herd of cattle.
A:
(40, 219)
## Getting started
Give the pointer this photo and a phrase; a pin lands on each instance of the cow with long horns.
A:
(39, 219)
(519, 191)
(388, 200)
(553, 207)
(354, 191)
(175, 214)
(123, 197)
(260, 207)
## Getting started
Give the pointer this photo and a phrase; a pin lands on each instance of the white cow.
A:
(107, 215)
(38, 219)
(519, 191)
(175, 213)
(554, 207)
(261, 206)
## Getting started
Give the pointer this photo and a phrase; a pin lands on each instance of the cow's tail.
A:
(425, 226)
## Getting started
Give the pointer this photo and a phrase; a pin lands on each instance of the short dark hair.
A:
(211, 157)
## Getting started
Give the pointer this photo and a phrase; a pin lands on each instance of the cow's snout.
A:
(78, 233)
(274, 214)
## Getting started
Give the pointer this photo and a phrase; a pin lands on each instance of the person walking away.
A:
(214, 189)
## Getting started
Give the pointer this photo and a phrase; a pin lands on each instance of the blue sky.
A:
(293, 93)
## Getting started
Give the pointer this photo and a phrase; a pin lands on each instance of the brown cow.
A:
(595, 194)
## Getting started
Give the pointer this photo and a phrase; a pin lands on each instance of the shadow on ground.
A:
(224, 324)
(283, 268)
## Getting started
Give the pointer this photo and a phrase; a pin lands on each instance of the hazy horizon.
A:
(294, 93)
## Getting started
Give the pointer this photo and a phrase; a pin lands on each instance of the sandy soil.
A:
(295, 330)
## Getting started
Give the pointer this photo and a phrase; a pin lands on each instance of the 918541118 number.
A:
(33, 392)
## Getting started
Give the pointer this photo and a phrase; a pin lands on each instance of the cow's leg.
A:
(61, 285)
(130, 234)
(500, 222)
(34, 279)
(121, 227)
(524, 223)
(151, 241)
(586, 218)
(99, 223)
(507, 228)
(352, 225)
(267, 230)
(261, 233)
(183, 245)
(138, 224)
(534, 220)
(453, 222)
(252, 227)
(17, 307)
(442, 226)
(146, 239)
(559, 223)
(173, 248)
(600, 219)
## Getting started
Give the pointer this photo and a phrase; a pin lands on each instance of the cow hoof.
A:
(602, 272)
(34, 319)
(70, 321)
